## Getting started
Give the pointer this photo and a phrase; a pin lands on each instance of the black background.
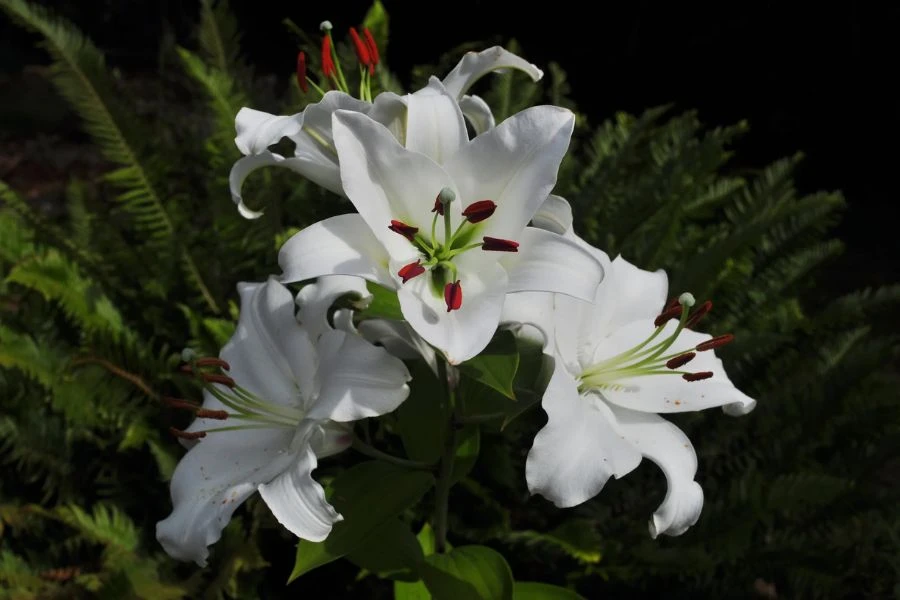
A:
(816, 79)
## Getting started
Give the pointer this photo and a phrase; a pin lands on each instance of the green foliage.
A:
(98, 299)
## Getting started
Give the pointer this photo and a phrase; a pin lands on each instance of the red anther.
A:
(213, 362)
(669, 313)
(205, 413)
(453, 295)
(216, 378)
(187, 435)
(698, 314)
(411, 270)
(373, 48)
(479, 211)
(438, 206)
(716, 342)
(407, 231)
(499, 245)
(672, 302)
(674, 363)
(186, 369)
(697, 376)
(179, 403)
(301, 72)
(362, 52)
(327, 62)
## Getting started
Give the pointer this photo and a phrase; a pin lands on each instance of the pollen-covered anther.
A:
(499, 245)
(362, 51)
(301, 72)
(453, 295)
(411, 270)
(216, 378)
(667, 315)
(187, 435)
(213, 362)
(407, 231)
(697, 376)
(219, 415)
(479, 211)
(716, 342)
(328, 68)
(701, 312)
(373, 50)
(678, 361)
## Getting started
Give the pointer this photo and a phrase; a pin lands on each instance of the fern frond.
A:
(80, 74)
(219, 36)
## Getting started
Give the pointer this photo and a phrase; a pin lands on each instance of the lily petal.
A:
(342, 245)
(547, 262)
(398, 338)
(270, 354)
(298, 501)
(246, 165)
(316, 299)
(331, 438)
(628, 294)
(667, 446)
(554, 215)
(434, 124)
(474, 66)
(257, 130)
(671, 393)
(514, 164)
(359, 380)
(385, 181)
(212, 480)
(578, 449)
(462, 333)
(477, 112)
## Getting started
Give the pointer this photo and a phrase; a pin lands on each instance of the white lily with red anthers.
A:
(443, 221)
(315, 156)
(284, 404)
(619, 361)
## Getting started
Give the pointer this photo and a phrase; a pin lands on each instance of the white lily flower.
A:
(315, 156)
(284, 404)
(447, 220)
(620, 361)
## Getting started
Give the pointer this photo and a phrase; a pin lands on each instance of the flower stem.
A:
(364, 448)
(443, 485)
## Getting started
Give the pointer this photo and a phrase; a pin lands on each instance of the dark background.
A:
(819, 80)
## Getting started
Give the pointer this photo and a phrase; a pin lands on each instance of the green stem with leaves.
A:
(444, 482)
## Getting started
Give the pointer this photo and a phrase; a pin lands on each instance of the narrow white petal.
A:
(298, 501)
(459, 334)
(270, 354)
(578, 449)
(385, 181)
(434, 123)
(474, 66)
(398, 338)
(547, 262)
(212, 480)
(257, 130)
(629, 294)
(667, 446)
(555, 215)
(342, 245)
(359, 380)
(314, 301)
(514, 164)
(477, 112)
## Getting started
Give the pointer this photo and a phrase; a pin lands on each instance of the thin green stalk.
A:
(443, 485)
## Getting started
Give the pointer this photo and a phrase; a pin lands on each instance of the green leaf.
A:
(384, 304)
(475, 572)
(390, 551)
(422, 416)
(366, 495)
(532, 590)
(467, 449)
(377, 21)
(415, 590)
(497, 364)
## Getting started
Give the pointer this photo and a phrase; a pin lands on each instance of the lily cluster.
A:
(464, 230)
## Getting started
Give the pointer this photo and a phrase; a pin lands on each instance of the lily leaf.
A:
(366, 495)
(532, 590)
(475, 572)
(497, 364)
